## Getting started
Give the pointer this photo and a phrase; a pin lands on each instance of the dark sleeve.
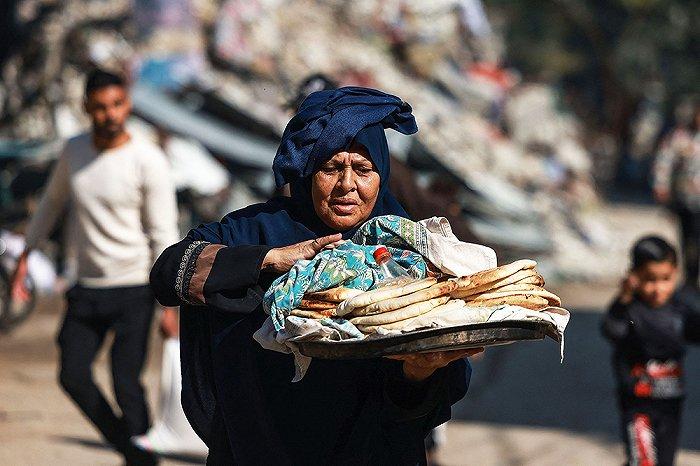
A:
(411, 409)
(202, 273)
(616, 323)
(692, 326)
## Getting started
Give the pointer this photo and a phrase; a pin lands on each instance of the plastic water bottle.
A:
(390, 269)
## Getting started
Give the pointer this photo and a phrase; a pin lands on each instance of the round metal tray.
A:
(425, 341)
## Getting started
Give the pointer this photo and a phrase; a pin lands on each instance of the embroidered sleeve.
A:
(187, 269)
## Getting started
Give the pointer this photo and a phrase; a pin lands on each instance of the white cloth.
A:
(123, 212)
(171, 432)
(302, 329)
(452, 256)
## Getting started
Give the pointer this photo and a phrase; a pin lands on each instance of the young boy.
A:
(649, 325)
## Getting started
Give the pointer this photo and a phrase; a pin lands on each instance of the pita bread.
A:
(468, 290)
(485, 277)
(550, 297)
(312, 314)
(439, 289)
(451, 305)
(400, 314)
(380, 294)
(516, 287)
(316, 304)
(536, 279)
(535, 303)
(334, 295)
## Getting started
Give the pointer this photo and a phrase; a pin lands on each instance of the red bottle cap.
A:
(381, 254)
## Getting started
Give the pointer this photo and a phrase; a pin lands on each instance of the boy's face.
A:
(656, 282)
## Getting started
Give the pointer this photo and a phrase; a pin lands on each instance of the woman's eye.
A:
(363, 170)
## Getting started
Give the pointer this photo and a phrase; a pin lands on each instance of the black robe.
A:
(240, 399)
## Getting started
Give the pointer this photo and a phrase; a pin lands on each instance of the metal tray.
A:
(425, 341)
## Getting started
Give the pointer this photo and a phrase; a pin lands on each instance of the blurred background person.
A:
(677, 185)
(115, 187)
(649, 328)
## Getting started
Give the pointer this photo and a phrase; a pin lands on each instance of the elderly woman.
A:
(238, 396)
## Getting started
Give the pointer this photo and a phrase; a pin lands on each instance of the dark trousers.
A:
(650, 430)
(690, 242)
(92, 312)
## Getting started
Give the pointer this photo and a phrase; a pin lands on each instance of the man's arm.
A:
(159, 216)
(51, 207)
(159, 206)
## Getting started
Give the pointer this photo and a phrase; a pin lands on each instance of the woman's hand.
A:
(280, 260)
(419, 366)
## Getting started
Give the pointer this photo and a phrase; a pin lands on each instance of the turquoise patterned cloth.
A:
(350, 264)
(394, 231)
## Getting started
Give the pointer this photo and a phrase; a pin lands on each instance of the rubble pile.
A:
(525, 174)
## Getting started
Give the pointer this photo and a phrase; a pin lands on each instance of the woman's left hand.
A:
(420, 366)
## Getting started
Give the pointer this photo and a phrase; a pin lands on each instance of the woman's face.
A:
(345, 188)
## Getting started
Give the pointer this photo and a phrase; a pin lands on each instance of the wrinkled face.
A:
(657, 281)
(108, 107)
(345, 188)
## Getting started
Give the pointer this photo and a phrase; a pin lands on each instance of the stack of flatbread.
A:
(395, 306)
(516, 284)
(321, 304)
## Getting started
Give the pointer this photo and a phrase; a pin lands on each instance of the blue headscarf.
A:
(327, 122)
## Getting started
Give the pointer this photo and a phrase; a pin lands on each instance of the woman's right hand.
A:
(281, 260)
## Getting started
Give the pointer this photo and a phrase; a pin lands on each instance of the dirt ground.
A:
(523, 408)
(40, 425)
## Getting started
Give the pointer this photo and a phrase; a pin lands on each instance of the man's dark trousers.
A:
(92, 312)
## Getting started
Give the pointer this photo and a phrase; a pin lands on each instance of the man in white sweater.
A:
(114, 193)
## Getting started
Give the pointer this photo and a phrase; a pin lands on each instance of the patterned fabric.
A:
(394, 231)
(187, 269)
(350, 265)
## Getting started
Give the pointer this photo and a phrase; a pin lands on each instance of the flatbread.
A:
(334, 295)
(309, 314)
(452, 304)
(466, 288)
(535, 303)
(382, 293)
(400, 314)
(316, 304)
(536, 279)
(439, 289)
(484, 277)
(516, 287)
(550, 297)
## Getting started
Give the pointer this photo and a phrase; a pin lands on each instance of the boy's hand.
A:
(628, 288)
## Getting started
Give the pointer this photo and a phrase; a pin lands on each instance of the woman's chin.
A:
(342, 222)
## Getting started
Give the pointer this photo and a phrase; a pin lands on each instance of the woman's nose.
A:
(347, 180)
